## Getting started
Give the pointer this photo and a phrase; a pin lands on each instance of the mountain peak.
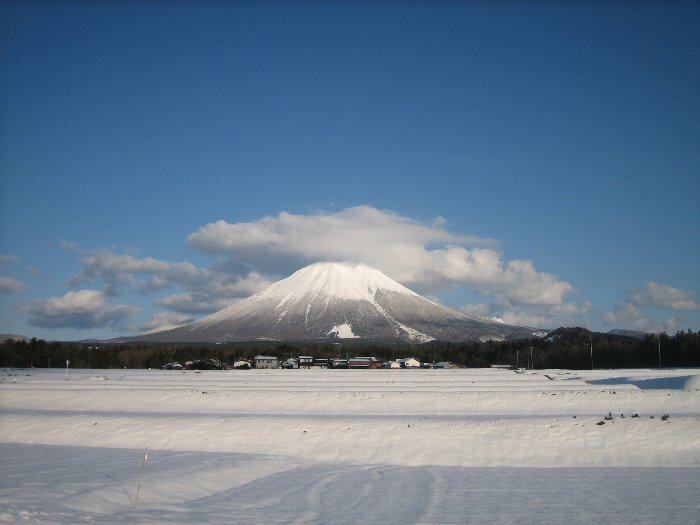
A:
(335, 279)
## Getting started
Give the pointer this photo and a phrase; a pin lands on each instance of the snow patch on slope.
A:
(343, 331)
(415, 335)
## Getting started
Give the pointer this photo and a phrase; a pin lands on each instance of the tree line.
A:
(570, 348)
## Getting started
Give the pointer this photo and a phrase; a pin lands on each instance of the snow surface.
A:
(350, 446)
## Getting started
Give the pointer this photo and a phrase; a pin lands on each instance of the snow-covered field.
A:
(350, 446)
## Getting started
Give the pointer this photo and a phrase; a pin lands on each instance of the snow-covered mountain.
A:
(334, 301)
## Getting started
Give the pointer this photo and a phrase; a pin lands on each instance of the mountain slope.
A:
(337, 301)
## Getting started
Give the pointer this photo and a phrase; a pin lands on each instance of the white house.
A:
(409, 362)
(265, 361)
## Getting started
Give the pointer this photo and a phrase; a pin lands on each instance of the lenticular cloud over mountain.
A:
(425, 256)
(331, 301)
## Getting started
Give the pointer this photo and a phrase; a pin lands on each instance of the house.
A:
(408, 362)
(306, 361)
(322, 362)
(391, 364)
(359, 362)
(363, 362)
(339, 363)
(265, 361)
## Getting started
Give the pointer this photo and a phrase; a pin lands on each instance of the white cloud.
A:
(528, 319)
(193, 303)
(9, 285)
(536, 316)
(633, 311)
(423, 256)
(4, 259)
(663, 296)
(164, 321)
(628, 316)
(514, 281)
(78, 309)
(117, 270)
(205, 290)
(480, 309)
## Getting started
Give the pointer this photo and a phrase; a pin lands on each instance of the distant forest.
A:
(564, 348)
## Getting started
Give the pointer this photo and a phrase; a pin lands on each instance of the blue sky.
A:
(534, 162)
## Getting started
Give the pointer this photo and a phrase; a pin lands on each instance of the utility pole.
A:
(591, 341)
(532, 364)
(659, 338)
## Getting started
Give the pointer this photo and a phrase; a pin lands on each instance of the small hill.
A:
(628, 333)
(7, 337)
